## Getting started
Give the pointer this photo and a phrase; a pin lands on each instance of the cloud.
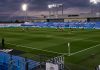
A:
(40, 6)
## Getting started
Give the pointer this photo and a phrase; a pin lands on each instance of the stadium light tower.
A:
(61, 5)
(24, 8)
(50, 7)
(93, 3)
(56, 6)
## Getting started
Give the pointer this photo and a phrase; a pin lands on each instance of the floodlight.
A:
(52, 6)
(59, 5)
(56, 6)
(49, 6)
(94, 1)
(24, 7)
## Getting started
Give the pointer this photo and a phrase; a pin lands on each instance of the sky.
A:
(39, 7)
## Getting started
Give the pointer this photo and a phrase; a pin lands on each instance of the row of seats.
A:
(15, 62)
(63, 24)
(55, 25)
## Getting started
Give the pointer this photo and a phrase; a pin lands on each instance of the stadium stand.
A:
(11, 62)
(93, 25)
(63, 25)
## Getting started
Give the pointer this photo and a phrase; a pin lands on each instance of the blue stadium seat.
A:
(65, 24)
(15, 62)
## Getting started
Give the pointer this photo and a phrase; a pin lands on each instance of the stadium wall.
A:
(39, 20)
(70, 19)
(75, 19)
(91, 25)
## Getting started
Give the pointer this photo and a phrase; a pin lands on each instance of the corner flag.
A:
(68, 49)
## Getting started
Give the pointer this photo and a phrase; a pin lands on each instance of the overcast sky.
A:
(37, 7)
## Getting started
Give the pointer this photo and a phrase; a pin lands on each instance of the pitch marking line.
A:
(90, 40)
(85, 39)
(85, 49)
(35, 49)
(55, 52)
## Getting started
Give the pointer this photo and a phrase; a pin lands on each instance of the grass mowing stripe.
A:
(85, 49)
(91, 40)
(81, 39)
(35, 48)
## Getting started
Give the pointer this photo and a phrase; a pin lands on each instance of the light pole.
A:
(62, 8)
(55, 6)
(93, 3)
(24, 8)
(52, 9)
(50, 12)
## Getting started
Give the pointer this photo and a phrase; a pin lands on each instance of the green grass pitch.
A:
(84, 44)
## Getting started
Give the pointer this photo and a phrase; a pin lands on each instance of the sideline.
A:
(35, 48)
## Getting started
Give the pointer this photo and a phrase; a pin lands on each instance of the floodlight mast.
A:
(24, 8)
(56, 6)
(50, 7)
(62, 8)
(93, 3)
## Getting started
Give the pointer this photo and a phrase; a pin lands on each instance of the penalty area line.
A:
(35, 48)
(85, 49)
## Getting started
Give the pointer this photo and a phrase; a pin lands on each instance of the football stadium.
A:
(51, 42)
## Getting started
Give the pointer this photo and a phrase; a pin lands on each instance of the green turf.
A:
(53, 42)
